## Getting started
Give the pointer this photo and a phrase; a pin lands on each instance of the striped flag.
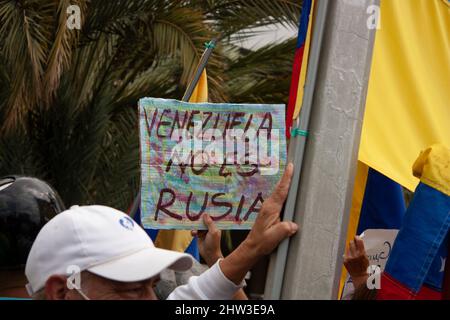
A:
(377, 203)
(415, 268)
(406, 107)
(300, 65)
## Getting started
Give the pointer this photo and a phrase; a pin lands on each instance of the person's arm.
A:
(226, 276)
(356, 262)
(210, 285)
(240, 295)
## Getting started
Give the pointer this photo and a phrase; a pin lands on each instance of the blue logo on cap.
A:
(127, 223)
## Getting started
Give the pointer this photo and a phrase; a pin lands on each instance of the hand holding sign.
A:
(220, 159)
(377, 244)
(267, 232)
(355, 259)
(209, 241)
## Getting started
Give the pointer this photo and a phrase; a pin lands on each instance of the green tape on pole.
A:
(297, 132)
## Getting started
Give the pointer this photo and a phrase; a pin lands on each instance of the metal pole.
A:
(297, 143)
(314, 260)
(187, 95)
(201, 66)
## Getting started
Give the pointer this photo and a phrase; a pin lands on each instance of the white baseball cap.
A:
(101, 240)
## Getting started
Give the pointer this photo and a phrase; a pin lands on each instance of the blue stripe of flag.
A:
(383, 204)
(303, 25)
(421, 240)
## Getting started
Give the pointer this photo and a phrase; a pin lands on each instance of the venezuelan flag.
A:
(300, 65)
(415, 268)
(377, 203)
(406, 109)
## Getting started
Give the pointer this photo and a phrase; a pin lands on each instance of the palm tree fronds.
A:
(68, 98)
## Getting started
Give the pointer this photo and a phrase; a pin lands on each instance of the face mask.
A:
(72, 283)
(82, 294)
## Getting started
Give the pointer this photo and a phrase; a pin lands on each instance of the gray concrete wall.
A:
(314, 261)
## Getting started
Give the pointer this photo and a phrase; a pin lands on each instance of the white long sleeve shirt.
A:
(210, 285)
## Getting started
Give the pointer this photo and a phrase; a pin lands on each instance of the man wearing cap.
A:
(108, 256)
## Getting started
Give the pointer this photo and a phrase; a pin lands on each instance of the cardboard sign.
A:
(378, 244)
(219, 159)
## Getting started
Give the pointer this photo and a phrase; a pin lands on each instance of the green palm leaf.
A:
(68, 99)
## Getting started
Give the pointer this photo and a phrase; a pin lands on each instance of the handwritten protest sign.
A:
(205, 158)
(378, 244)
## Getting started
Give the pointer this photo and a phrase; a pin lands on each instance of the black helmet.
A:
(26, 204)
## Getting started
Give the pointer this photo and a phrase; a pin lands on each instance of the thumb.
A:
(209, 223)
(281, 231)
